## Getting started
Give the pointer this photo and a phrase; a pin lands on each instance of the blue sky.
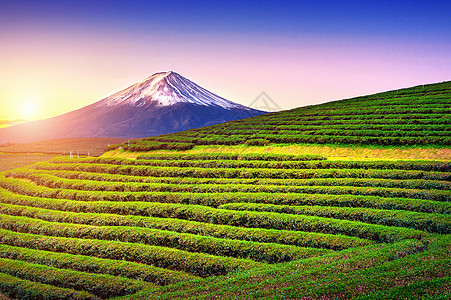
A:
(391, 18)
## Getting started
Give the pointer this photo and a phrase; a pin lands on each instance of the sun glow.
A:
(28, 109)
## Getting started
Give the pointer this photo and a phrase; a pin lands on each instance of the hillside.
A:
(413, 116)
(121, 226)
(178, 220)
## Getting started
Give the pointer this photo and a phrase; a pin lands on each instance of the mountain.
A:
(163, 103)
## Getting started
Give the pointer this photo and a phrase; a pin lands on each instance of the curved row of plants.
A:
(194, 172)
(198, 264)
(137, 183)
(69, 212)
(317, 130)
(345, 187)
(266, 220)
(257, 251)
(313, 162)
(100, 285)
(20, 288)
(89, 264)
(435, 223)
(215, 199)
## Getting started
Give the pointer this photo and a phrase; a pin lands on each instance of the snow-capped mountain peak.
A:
(166, 89)
(162, 103)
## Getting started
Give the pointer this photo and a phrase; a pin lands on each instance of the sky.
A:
(57, 56)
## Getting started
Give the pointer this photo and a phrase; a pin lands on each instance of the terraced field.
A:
(413, 116)
(239, 223)
(93, 228)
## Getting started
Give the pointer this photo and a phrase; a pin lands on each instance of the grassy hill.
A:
(235, 221)
(414, 116)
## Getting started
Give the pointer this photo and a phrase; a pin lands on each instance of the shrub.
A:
(257, 142)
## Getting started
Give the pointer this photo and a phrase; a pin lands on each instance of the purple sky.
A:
(57, 56)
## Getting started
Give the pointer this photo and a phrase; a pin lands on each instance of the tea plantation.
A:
(180, 225)
(414, 116)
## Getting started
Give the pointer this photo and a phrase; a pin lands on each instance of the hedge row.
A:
(407, 129)
(280, 221)
(379, 109)
(362, 274)
(198, 264)
(141, 146)
(302, 115)
(434, 223)
(400, 131)
(354, 133)
(24, 289)
(230, 156)
(386, 127)
(103, 286)
(254, 141)
(215, 199)
(420, 165)
(297, 122)
(90, 264)
(407, 268)
(365, 140)
(99, 218)
(433, 289)
(374, 182)
(399, 114)
(267, 220)
(410, 130)
(308, 275)
(262, 252)
(300, 120)
(222, 139)
(382, 187)
(353, 118)
(243, 173)
(90, 187)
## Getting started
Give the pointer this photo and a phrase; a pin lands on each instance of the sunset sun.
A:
(28, 109)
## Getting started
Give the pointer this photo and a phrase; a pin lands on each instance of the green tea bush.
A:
(198, 264)
(96, 265)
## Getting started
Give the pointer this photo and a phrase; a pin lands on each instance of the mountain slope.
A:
(163, 103)
(413, 116)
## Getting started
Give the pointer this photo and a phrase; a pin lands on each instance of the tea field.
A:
(108, 227)
(168, 218)
(406, 117)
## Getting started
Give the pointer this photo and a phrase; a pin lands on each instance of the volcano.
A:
(163, 103)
